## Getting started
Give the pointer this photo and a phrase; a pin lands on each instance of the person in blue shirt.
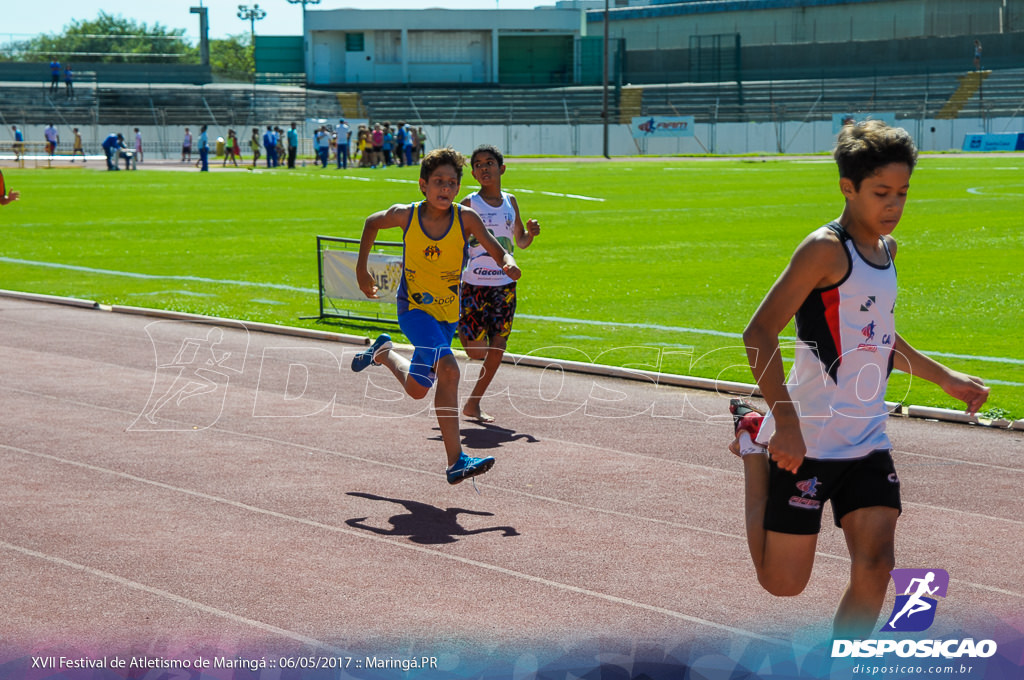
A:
(293, 145)
(54, 75)
(19, 142)
(111, 146)
(270, 144)
(204, 150)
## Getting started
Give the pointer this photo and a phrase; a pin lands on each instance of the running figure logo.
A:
(193, 370)
(915, 607)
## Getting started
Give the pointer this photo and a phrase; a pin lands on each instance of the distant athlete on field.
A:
(488, 293)
(825, 435)
(435, 235)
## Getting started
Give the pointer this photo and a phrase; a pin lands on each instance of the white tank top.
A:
(481, 269)
(845, 336)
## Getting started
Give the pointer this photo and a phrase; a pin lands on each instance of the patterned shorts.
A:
(487, 311)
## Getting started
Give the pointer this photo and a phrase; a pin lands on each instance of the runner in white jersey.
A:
(488, 295)
(825, 436)
(845, 336)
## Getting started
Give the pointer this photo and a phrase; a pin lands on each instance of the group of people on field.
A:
(370, 146)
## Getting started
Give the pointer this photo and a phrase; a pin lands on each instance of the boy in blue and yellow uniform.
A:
(435, 234)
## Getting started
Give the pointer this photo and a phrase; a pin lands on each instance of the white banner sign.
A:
(339, 272)
(662, 126)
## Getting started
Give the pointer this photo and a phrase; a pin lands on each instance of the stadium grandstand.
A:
(725, 63)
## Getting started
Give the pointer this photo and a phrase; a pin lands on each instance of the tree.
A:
(108, 38)
(233, 57)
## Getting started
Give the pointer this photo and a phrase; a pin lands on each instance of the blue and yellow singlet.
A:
(432, 268)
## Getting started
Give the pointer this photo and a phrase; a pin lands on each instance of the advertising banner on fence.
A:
(841, 119)
(339, 272)
(1006, 141)
(662, 126)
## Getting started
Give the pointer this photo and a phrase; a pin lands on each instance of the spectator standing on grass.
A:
(52, 139)
(408, 144)
(401, 134)
(363, 147)
(344, 134)
(186, 147)
(138, 145)
(377, 142)
(421, 139)
(19, 142)
(323, 145)
(204, 150)
(270, 145)
(279, 145)
(78, 147)
(293, 145)
(388, 145)
(254, 145)
(231, 149)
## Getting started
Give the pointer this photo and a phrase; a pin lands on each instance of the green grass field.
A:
(662, 273)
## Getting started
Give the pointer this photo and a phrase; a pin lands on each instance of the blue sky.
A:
(20, 20)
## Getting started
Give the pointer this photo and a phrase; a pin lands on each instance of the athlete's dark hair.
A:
(487, 148)
(438, 157)
(862, 148)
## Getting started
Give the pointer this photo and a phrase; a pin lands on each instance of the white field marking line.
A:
(533, 317)
(981, 191)
(395, 544)
(157, 277)
(177, 599)
(395, 180)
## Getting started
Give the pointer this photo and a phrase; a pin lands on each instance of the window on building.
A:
(354, 42)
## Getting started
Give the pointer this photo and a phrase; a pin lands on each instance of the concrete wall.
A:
(848, 38)
(193, 74)
(574, 140)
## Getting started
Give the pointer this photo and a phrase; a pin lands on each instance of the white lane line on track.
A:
(172, 597)
(585, 508)
(661, 461)
(379, 539)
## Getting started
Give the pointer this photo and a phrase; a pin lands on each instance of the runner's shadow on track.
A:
(489, 436)
(425, 524)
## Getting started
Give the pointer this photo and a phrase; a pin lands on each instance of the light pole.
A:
(252, 14)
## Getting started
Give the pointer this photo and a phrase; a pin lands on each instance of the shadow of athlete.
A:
(425, 523)
(491, 436)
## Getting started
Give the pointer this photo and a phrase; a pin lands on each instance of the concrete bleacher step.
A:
(970, 83)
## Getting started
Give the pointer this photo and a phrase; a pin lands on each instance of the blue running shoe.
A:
(369, 355)
(466, 467)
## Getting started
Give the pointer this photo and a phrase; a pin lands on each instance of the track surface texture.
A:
(177, 490)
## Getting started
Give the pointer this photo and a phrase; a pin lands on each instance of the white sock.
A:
(748, 445)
